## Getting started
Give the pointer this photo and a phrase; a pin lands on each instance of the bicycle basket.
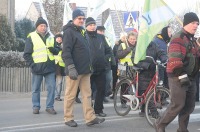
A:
(121, 70)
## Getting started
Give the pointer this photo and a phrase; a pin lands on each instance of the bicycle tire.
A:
(152, 110)
(120, 105)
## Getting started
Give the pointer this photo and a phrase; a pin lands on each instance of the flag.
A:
(156, 14)
(109, 32)
(67, 13)
(101, 6)
(88, 9)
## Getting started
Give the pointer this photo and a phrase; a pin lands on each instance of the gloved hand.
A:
(129, 49)
(185, 81)
(52, 49)
(72, 72)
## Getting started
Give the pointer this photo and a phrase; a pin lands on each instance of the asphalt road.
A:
(16, 116)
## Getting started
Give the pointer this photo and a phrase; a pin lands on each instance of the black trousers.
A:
(115, 77)
(197, 82)
(100, 82)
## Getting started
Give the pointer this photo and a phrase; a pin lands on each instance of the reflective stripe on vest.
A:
(40, 50)
(59, 60)
(127, 58)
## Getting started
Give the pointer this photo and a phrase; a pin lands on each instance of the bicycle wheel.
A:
(121, 105)
(152, 110)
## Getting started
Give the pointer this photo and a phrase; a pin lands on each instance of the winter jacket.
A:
(183, 55)
(160, 42)
(60, 70)
(42, 67)
(76, 49)
(100, 51)
(154, 51)
(148, 65)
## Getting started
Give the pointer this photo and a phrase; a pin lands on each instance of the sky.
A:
(22, 6)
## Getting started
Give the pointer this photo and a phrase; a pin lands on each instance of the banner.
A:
(101, 6)
(67, 13)
(156, 14)
(109, 32)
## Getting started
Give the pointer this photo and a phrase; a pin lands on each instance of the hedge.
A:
(12, 59)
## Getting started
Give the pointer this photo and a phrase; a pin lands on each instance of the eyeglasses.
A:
(80, 18)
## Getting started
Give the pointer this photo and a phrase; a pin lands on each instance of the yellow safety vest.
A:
(59, 60)
(127, 58)
(40, 50)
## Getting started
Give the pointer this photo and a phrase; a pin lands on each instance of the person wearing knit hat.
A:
(182, 69)
(162, 41)
(76, 13)
(190, 17)
(76, 56)
(100, 54)
(39, 52)
(89, 21)
(40, 21)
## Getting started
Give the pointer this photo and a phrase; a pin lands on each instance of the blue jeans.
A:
(50, 84)
(59, 82)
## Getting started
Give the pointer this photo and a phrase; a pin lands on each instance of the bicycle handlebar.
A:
(157, 62)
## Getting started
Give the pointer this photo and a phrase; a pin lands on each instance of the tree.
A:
(7, 37)
(22, 28)
(54, 10)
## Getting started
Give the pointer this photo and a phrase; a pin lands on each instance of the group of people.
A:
(86, 58)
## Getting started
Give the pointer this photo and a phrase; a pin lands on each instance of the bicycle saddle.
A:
(137, 68)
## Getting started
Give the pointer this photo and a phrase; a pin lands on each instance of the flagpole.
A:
(120, 23)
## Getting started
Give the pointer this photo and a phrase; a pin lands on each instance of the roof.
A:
(114, 17)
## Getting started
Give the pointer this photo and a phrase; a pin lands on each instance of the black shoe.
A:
(78, 100)
(58, 99)
(36, 111)
(95, 121)
(51, 111)
(105, 100)
(71, 123)
(101, 114)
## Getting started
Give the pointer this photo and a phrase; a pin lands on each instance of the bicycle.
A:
(156, 97)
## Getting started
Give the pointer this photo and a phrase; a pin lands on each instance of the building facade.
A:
(7, 8)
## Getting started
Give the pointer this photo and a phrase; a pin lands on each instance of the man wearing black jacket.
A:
(76, 56)
(100, 54)
(38, 52)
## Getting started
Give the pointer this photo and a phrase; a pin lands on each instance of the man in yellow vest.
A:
(39, 53)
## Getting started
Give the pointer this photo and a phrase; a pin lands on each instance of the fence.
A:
(16, 80)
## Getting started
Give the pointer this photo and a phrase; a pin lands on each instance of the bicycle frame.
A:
(152, 85)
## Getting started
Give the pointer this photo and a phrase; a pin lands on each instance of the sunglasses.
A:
(79, 18)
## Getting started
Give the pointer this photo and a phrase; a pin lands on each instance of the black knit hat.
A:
(40, 21)
(89, 21)
(77, 13)
(164, 34)
(190, 17)
(58, 35)
(101, 28)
